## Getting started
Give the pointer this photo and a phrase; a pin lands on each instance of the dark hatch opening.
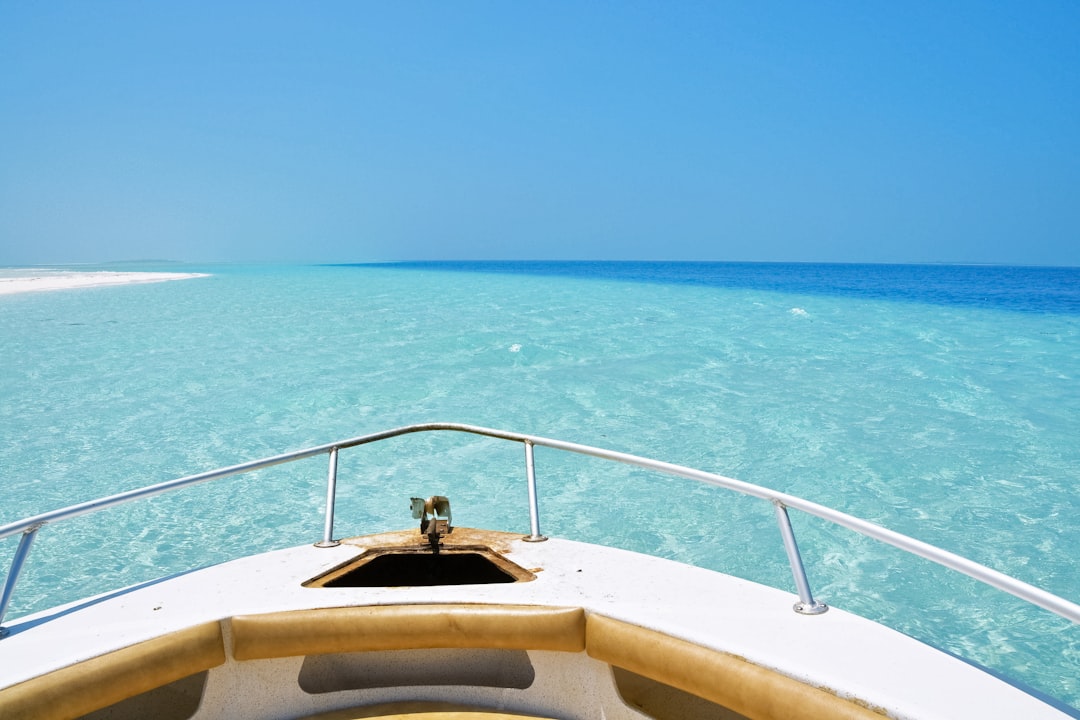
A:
(419, 569)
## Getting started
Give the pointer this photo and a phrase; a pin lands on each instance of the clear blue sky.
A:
(355, 131)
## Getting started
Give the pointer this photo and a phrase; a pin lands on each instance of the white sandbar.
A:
(20, 281)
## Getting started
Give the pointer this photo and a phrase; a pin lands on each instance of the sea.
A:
(940, 401)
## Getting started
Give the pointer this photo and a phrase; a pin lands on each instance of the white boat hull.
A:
(288, 650)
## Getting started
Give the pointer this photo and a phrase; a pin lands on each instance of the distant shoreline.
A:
(27, 280)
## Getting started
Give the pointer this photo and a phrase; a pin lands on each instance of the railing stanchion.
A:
(13, 573)
(331, 494)
(29, 526)
(534, 505)
(807, 605)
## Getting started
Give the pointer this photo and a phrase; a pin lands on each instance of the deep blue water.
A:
(1020, 289)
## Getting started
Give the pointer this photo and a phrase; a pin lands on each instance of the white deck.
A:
(836, 650)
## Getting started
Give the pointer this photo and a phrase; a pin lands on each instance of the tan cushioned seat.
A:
(407, 627)
(748, 689)
(99, 682)
(443, 715)
(737, 684)
(421, 711)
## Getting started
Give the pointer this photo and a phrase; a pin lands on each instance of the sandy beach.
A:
(20, 281)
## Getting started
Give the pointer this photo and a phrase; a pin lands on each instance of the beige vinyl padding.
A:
(421, 711)
(407, 627)
(733, 682)
(107, 679)
(435, 715)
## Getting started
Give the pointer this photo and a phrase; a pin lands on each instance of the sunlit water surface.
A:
(942, 402)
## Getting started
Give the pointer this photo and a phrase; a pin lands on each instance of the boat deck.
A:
(845, 656)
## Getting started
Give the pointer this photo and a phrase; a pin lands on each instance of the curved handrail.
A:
(782, 501)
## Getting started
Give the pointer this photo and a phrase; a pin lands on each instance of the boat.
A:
(435, 621)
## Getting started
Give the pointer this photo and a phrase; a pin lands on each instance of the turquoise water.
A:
(942, 402)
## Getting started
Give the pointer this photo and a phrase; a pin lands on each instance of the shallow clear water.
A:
(941, 402)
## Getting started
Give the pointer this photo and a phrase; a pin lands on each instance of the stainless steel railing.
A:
(782, 502)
